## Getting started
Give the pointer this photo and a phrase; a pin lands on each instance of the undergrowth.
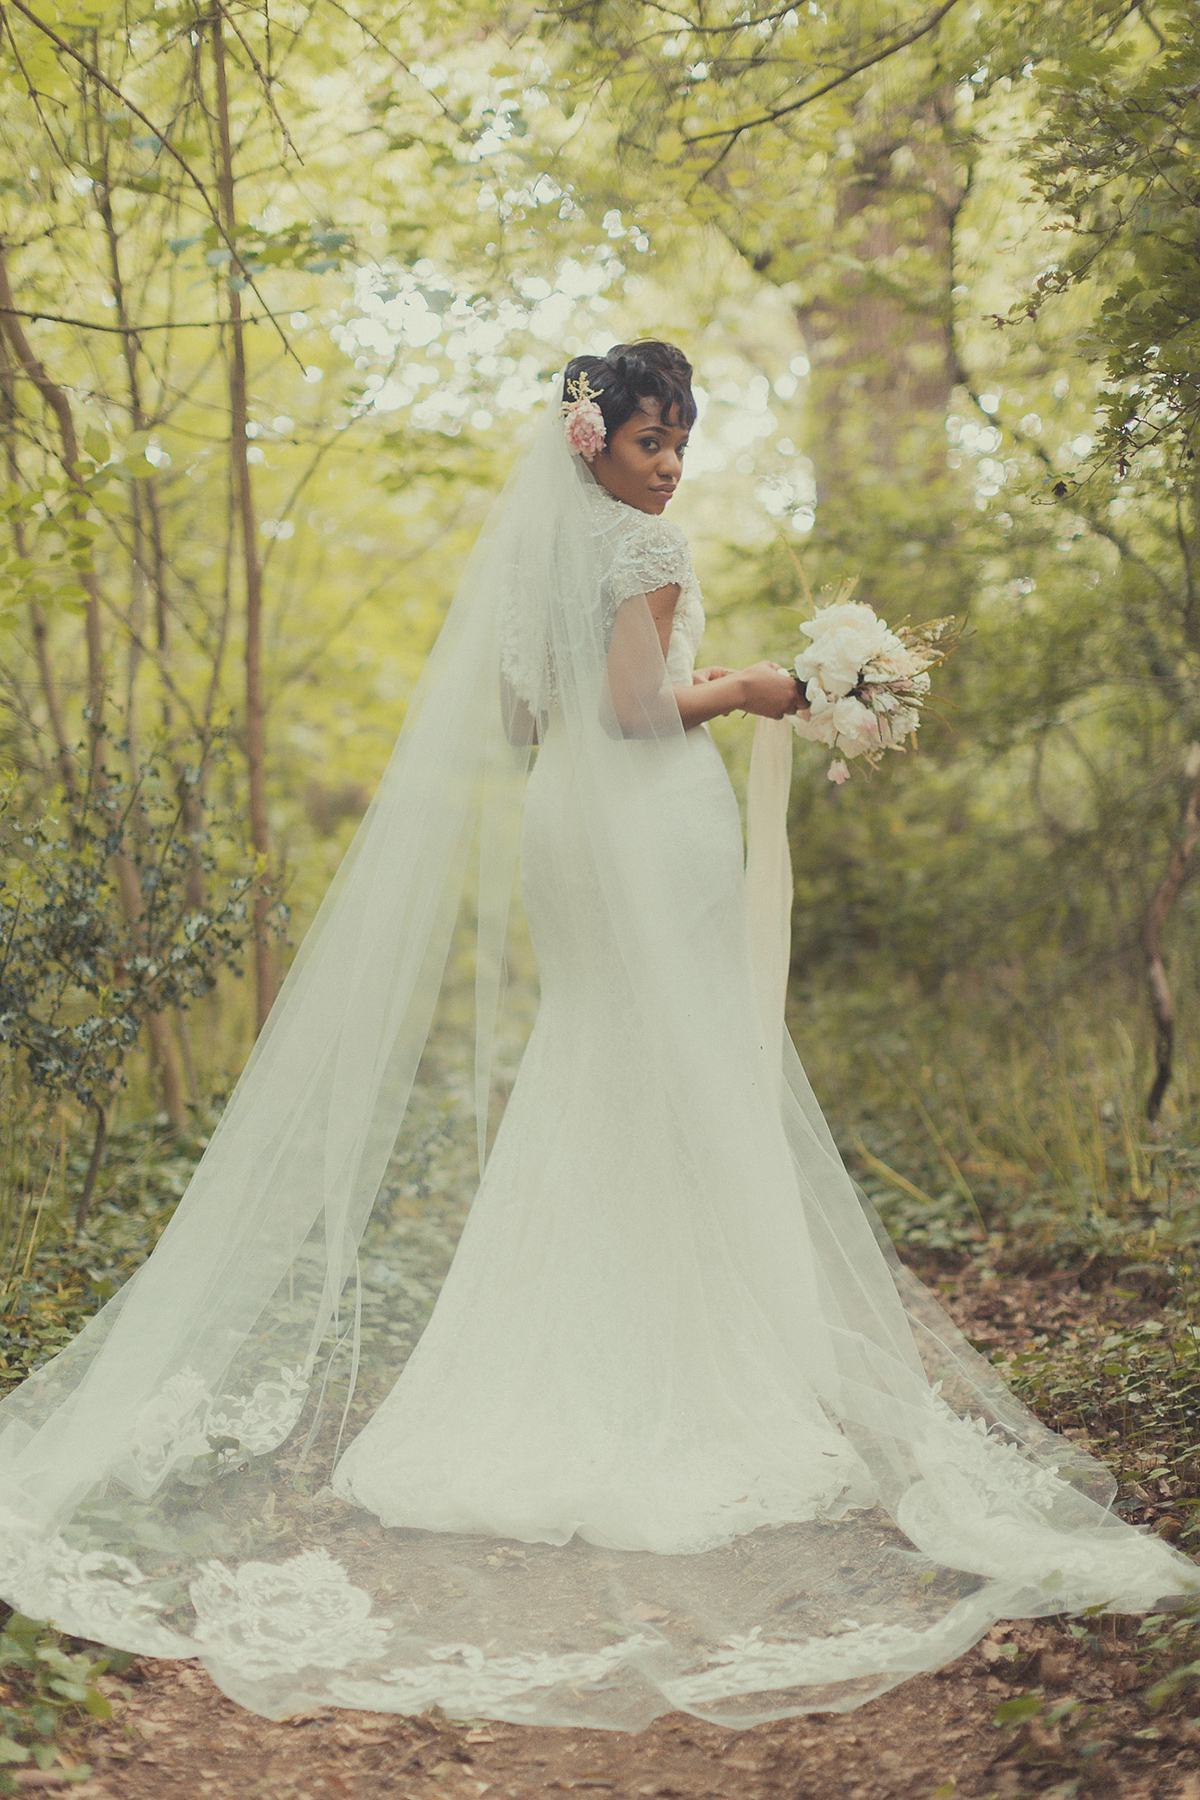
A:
(968, 1116)
(54, 1278)
(49, 1685)
(1134, 1392)
(1065, 1744)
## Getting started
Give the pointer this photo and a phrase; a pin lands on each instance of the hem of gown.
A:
(571, 1523)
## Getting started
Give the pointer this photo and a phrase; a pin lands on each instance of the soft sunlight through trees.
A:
(279, 289)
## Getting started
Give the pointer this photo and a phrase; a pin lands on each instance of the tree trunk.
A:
(37, 617)
(1161, 1004)
(883, 370)
(144, 512)
(146, 518)
(162, 1045)
(264, 973)
(84, 1205)
(189, 1060)
(60, 406)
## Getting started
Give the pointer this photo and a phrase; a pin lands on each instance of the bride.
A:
(680, 1431)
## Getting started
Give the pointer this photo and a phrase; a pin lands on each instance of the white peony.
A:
(845, 638)
(845, 724)
(893, 661)
(856, 726)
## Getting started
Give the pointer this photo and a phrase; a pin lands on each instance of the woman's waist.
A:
(604, 758)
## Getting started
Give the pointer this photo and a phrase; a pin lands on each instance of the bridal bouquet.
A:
(865, 683)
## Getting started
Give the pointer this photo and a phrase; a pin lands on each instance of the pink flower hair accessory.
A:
(583, 422)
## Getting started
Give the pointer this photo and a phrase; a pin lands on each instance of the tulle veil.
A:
(165, 1480)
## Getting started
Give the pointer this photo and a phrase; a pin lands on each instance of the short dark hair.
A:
(630, 373)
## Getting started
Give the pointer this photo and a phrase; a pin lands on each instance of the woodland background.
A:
(280, 291)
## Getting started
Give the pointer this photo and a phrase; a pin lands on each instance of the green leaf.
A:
(70, 1690)
(11, 1752)
(96, 444)
(1016, 1711)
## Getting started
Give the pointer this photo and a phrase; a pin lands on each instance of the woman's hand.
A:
(764, 688)
(770, 691)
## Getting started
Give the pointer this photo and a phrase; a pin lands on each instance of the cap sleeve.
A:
(654, 554)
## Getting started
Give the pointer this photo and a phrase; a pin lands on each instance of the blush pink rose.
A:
(584, 429)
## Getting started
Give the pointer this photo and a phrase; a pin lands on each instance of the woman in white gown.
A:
(610, 1354)
(679, 1432)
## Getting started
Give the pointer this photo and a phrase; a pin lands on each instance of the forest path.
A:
(174, 1736)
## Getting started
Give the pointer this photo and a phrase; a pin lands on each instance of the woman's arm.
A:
(763, 688)
(635, 669)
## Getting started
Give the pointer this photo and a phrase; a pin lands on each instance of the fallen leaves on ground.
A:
(1090, 1709)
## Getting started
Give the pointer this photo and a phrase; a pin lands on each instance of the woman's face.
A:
(643, 460)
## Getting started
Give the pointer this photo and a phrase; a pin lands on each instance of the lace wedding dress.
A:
(678, 1431)
(622, 1346)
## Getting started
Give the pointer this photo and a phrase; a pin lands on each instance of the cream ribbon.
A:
(769, 871)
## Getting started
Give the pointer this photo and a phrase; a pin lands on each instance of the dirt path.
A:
(934, 1736)
(1088, 1727)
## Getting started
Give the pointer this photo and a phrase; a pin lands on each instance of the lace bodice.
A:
(644, 551)
(637, 552)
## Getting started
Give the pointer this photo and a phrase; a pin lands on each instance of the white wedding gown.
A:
(622, 1348)
(680, 1432)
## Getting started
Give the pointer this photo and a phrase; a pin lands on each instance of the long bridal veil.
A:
(168, 1482)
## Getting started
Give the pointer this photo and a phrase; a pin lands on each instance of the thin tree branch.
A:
(772, 114)
(101, 78)
(60, 406)
(50, 318)
(265, 81)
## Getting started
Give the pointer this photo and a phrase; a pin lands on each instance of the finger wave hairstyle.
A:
(630, 373)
